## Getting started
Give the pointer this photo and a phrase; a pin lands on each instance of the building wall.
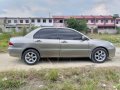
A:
(41, 23)
(2, 20)
(109, 31)
(100, 22)
(9, 23)
(16, 23)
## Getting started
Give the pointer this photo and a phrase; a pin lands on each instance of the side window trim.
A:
(72, 38)
(49, 36)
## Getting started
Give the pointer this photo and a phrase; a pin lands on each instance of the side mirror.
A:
(84, 38)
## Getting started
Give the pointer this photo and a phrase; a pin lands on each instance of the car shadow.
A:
(62, 60)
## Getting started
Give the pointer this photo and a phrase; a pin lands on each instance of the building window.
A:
(33, 20)
(38, 20)
(21, 21)
(112, 21)
(117, 22)
(60, 21)
(15, 21)
(44, 20)
(96, 21)
(106, 21)
(9, 21)
(50, 20)
(92, 21)
(102, 21)
(27, 21)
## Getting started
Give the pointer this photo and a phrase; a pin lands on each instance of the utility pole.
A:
(49, 15)
(115, 16)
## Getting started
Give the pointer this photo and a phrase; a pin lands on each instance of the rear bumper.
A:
(15, 52)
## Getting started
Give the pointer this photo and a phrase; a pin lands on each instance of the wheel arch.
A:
(99, 47)
(28, 49)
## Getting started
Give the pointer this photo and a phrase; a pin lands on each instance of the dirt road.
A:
(11, 63)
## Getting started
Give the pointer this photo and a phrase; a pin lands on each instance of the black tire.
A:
(33, 58)
(95, 57)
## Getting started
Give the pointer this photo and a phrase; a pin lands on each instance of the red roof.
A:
(86, 17)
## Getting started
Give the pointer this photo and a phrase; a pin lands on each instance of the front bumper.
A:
(112, 52)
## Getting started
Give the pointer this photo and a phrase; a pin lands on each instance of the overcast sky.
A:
(42, 8)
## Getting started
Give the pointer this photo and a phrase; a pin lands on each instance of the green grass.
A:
(108, 37)
(4, 39)
(88, 78)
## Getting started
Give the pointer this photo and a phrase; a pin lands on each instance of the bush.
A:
(10, 83)
(80, 25)
(1, 30)
(5, 36)
(107, 37)
(33, 28)
(23, 31)
(52, 75)
(68, 86)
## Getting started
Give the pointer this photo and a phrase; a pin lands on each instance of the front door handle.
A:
(38, 41)
(64, 42)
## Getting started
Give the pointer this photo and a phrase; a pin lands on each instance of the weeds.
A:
(107, 37)
(62, 79)
(52, 75)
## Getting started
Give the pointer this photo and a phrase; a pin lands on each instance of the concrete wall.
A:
(59, 25)
(109, 31)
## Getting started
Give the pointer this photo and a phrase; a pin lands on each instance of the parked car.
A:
(59, 42)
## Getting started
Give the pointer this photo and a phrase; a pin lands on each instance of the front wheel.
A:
(31, 57)
(99, 55)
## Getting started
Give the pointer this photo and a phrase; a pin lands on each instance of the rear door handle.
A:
(64, 42)
(38, 41)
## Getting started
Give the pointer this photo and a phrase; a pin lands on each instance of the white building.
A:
(19, 22)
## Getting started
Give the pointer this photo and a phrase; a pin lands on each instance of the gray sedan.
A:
(59, 42)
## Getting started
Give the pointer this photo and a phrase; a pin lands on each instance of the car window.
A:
(49, 33)
(67, 34)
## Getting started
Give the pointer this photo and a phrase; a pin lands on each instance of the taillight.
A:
(10, 44)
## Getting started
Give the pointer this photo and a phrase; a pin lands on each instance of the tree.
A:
(33, 28)
(1, 30)
(118, 30)
(79, 25)
(24, 31)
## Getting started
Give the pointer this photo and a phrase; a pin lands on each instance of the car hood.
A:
(99, 42)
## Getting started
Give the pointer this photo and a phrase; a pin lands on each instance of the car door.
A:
(46, 40)
(72, 45)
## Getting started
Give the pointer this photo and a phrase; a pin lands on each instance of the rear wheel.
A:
(31, 57)
(99, 55)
